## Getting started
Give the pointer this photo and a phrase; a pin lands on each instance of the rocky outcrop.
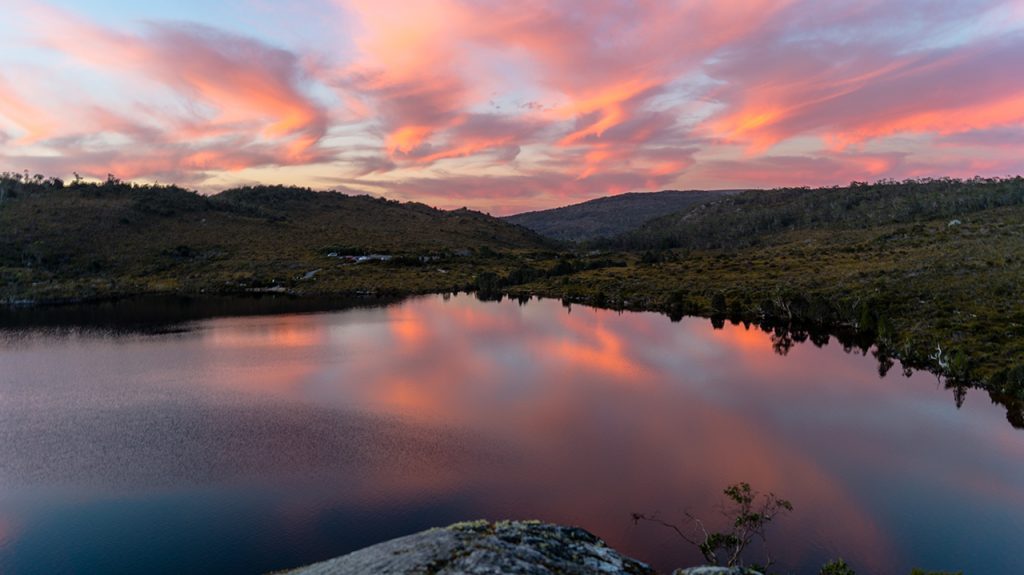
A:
(514, 547)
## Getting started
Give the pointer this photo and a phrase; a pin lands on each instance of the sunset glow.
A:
(506, 107)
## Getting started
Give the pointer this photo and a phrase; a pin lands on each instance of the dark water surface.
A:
(249, 444)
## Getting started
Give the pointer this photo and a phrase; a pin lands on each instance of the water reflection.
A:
(161, 314)
(294, 438)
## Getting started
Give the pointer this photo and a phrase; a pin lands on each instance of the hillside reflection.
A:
(785, 337)
(332, 431)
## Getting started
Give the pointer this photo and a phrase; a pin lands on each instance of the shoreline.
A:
(786, 330)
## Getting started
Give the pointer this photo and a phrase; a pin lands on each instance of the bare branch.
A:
(637, 517)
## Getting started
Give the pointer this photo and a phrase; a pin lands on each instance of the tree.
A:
(836, 567)
(488, 286)
(748, 514)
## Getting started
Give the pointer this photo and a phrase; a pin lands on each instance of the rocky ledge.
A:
(515, 547)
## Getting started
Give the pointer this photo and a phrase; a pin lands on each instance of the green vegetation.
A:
(836, 567)
(87, 241)
(753, 218)
(747, 518)
(930, 272)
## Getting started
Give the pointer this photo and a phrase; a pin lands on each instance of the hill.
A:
(752, 218)
(611, 215)
(85, 239)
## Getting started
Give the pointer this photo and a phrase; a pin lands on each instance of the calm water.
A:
(248, 444)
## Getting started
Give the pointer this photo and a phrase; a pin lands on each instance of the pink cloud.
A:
(1006, 137)
(602, 65)
(36, 123)
(512, 193)
(774, 90)
(566, 100)
(609, 57)
(819, 170)
(473, 134)
(830, 168)
(407, 71)
(242, 102)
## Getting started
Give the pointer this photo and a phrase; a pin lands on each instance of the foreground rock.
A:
(516, 547)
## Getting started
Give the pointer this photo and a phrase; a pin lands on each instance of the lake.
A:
(245, 444)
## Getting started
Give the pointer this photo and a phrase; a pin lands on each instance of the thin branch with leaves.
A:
(749, 515)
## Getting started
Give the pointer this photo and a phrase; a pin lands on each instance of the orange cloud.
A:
(405, 68)
(407, 138)
(999, 111)
(423, 77)
(608, 107)
(848, 98)
(609, 70)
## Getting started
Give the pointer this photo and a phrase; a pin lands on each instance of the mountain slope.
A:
(751, 218)
(112, 232)
(611, 215)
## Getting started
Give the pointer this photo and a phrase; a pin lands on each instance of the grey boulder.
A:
(479, 547)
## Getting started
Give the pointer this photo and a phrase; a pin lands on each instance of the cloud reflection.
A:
(469, 409)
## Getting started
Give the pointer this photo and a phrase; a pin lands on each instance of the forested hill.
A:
(116, 230)
(752, 217)
(612, 215)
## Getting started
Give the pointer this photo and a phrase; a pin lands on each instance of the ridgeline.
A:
(612, 215)
(96, 240)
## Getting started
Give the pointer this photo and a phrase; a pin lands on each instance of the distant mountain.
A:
(612, 215)
(753, 217)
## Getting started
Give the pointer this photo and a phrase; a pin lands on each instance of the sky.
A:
(512, 106)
